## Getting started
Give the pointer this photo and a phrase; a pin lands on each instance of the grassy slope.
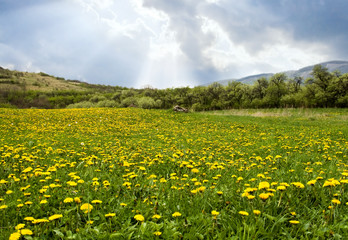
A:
(38, 82)
(24, 81)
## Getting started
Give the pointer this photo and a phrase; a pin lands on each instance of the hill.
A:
(43, 82)
(341, 66)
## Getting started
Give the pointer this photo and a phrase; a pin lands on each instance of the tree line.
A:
(323, 89)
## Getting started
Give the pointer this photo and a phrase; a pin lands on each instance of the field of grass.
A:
(154, 174)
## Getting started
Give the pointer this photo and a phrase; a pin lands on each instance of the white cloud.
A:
(166, 43)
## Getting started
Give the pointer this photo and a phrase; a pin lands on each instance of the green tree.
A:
(276, 89)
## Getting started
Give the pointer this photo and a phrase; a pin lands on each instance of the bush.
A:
(146, 102)
(107, 104)
(129, 101)
(84, 104)
(97, 98)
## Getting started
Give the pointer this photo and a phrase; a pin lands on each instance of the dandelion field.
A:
(156, 174)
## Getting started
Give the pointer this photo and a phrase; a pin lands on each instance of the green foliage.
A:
(323, 89)
(84, 104)
(146, 102)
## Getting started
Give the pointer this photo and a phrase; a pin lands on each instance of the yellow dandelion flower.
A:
(15, 236)
(250, 197)
(20, 226)
(29, 219)
(26, 232)
(123, 204)
(110, 215)
(176, 214)
(244, 213)
(264, 196)
(41, 220)
(311, 182)
(28, 169)
(139, 218)
(156, 216)
(157, 233)
(77, 200)
(3, 206)
(298, 184)
(264, 185)
(257, 212)
(97, 201)
(55, 216)
(215, 213)
(86, 207)
(336, 201)
(68, 200)
(294, 222)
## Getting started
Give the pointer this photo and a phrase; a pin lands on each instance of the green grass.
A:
(154, 162)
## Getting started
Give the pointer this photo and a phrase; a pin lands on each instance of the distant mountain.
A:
(341, 66)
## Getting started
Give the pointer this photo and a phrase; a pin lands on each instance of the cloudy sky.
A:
(169, 43)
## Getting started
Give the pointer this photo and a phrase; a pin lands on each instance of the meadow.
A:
(155, 174)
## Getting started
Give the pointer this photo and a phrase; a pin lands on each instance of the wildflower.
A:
(28, 169)
(139, 218)
(263, 185)
(294, 222)
(3, 206)
(55, 216)
(77, 200)
(331, 183)
(86, 207)
(336, 201)
(157, 233)
(219, 192)
(20, 226)
(26, 232)
(244, 213)
(257, 212)
(264, 196)
(281, 188)
(97, 201)
(110, 215)
(42, 220)
(123, 204)
(293, 213)
(68, 200)
(90, 222)
(311, 182)
(29, 219)
(214, 213)
(176, 214)
(298, 184)
(8, 192)
(15, 236)
(250, 197)
(156, 216)
(43, 201)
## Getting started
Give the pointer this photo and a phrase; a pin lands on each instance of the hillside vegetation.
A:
(40, 90)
